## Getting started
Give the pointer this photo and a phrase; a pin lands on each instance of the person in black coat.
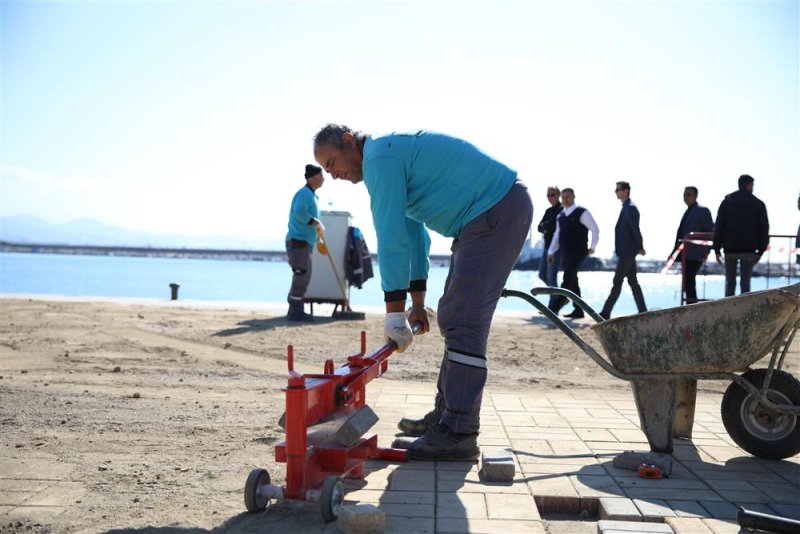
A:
(627, 244)
(742, 231)
(696, 218)
(548, 272)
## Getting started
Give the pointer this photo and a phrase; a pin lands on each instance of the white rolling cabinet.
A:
(328, 284)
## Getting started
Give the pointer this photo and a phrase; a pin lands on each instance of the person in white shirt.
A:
(572, 237)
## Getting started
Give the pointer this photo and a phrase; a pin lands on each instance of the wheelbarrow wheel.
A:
(331, 497)
(762, 432)
(257, 479)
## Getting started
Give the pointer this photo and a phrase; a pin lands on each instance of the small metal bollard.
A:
(174, 288)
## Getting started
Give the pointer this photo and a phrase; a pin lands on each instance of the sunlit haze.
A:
(197, 117)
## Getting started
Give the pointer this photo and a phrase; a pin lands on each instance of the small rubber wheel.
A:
(331, 497)
(759, 431)
(257, 479)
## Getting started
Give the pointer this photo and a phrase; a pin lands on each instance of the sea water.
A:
(267, 282)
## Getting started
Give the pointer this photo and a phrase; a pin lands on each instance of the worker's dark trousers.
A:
(626, 268)
(571, 260)
(483, 257)
(746, 262)
(299, 255)
(692, 268)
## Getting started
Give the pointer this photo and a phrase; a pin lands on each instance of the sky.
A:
(198, 117)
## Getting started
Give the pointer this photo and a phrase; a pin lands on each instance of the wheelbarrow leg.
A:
(685, 398)
(655, 402)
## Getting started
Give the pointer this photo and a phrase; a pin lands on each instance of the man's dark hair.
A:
(624, 185)
(568, 189)
(692, 188)
(331, 135)
(312, 170)
(744, 180)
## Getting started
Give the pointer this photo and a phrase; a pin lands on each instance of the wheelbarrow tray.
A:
(720, 336)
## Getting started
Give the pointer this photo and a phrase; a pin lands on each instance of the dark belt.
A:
(293, 244)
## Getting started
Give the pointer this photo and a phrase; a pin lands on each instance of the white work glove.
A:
(397, 329)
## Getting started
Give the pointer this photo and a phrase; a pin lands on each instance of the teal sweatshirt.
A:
(304, 208)
(420, 180)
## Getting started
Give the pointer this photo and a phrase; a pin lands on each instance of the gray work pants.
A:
(483, 257)
(299, 255)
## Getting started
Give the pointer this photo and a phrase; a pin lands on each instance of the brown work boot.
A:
(441, 443)
(418, 427)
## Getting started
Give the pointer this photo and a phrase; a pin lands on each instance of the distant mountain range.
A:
(28, 229)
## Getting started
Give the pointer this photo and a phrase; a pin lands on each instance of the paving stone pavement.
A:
(563, 444)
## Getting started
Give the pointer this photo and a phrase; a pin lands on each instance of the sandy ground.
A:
(158, 413)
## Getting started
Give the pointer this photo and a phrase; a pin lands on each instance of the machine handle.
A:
(391, 346)
(416, 328)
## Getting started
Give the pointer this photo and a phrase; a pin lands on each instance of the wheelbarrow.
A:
(318, 461)
(663, 353)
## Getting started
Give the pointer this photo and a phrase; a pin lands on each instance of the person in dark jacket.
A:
(696, 218)
(742, 231)
(548, 272)
(627, 244)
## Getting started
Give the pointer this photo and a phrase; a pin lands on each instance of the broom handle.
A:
(335, 272)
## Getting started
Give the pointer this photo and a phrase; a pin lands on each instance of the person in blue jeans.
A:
(742, 231)
(627, 244)
(548, 272)
(424, 180)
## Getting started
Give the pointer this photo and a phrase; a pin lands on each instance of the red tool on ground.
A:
(649, 471)
(317, 462)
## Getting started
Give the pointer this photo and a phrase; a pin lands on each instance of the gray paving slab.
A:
(515, 507)
(596, 486)
(390, 496)
(454, 505)
(605, 526)
(792, 511)
(687, 508)
(488, 526)
(720, 509)
(619, 509)
(408, 510)
(783, 493)
(720, 526)
(653, 509)
(404, 525)
(563, 444)
(687, 525)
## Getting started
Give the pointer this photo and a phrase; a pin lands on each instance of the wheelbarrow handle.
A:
(576, 300)
(569, 332)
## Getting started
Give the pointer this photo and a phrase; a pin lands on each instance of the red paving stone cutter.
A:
(317, 462)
